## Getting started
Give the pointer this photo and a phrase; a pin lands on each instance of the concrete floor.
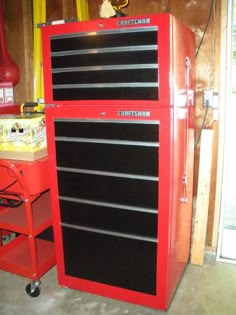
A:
(207, 290)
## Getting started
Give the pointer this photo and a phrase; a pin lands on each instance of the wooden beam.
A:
(211, 212)
(28, 50)
(203, 194)
(67, 9)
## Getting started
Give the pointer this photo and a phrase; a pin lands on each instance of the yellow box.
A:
(23, 136)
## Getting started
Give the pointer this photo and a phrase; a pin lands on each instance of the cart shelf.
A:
(28, 254)
(15, 219)
(15, 257)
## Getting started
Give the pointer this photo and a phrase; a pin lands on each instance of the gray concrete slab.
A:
(206, 290)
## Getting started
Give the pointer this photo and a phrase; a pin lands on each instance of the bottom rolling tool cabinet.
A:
(118, 185)
(25, 212)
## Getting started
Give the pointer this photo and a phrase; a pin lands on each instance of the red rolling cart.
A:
(25, 210)
(118, 125)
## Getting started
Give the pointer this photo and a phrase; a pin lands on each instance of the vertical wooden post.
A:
(203, 195)
(39, 12)
(28, 45)
(67, 9)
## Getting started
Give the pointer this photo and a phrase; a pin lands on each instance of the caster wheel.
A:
(32, 290)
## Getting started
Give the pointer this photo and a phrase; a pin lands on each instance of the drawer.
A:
(119, 158)
(110, 189)
(84, 67)
(110, 130)
(138, 222)
(112, 260)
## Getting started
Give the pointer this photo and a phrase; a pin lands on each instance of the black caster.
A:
(32, 289)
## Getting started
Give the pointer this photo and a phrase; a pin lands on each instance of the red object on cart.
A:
(24, 177)
(25, 210)
(13, 109)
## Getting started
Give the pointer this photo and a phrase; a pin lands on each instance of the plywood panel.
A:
(68, 9)
(147, 7)
(54, 10)
(195, 14)
(134, 8)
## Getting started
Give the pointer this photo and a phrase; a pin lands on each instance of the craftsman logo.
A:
(134, 113)
(141, 21)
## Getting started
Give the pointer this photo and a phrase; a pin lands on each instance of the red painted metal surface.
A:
(15, 219)
(174, 111)
(23, 174)
(26, 255)
(15, 109)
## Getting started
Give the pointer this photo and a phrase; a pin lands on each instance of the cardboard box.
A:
(23, 137)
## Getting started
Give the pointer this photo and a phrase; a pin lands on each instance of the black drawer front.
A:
(109, 218)
(117, 261)
(128, 159)
(104, 39)
(105, 65)
(119, 130)
(76, 93)
(118, 190)
(105, 59)
(124, 76)
(108, 194)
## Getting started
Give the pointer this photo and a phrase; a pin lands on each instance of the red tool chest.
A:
(119, 115)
